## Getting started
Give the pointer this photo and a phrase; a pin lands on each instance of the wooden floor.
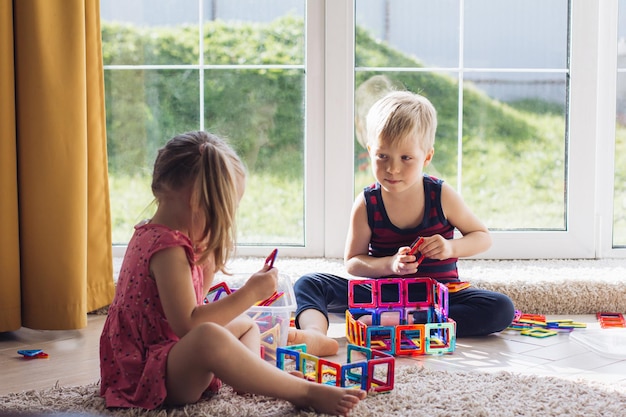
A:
(73, 356)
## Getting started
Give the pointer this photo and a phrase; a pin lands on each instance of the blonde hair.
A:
(400, 114)
(213, 169)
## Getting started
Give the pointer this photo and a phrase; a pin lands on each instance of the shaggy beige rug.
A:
(417, 391)
(555, 286)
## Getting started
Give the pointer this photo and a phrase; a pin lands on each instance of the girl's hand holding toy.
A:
(269, 261)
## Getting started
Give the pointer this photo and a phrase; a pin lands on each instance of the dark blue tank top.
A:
(387, 238)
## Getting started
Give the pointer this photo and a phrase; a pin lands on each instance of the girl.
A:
(160, 344)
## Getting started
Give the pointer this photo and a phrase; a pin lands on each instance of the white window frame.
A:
(607, 87)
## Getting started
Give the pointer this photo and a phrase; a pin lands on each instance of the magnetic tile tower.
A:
(419, 307)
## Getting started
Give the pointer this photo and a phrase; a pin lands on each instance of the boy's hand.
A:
(403, 263)
(436, 247)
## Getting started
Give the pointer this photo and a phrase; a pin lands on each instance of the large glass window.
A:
(501, 91)
(521, 88)
(235, 68)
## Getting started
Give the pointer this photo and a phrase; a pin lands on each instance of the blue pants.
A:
(476, 312)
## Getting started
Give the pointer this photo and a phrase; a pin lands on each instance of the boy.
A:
(402, 205)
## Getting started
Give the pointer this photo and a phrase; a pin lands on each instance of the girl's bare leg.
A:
(245, 329)
(211, 349)
(312, 332)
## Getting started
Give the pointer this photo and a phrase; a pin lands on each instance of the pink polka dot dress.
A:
(136, 337)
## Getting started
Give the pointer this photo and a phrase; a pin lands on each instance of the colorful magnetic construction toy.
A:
(609, 320)
(33, 354)
(270, 327)
(372, 371)
(536, 325)
(269, 324)
(423, 328)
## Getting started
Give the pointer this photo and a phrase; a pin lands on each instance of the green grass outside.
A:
(271, 211)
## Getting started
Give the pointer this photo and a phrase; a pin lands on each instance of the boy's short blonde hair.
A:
(400, 114)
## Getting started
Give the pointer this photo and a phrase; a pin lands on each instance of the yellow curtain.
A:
(55, 227)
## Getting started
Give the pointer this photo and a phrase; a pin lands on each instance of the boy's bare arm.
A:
(357, 260)
(475, 235)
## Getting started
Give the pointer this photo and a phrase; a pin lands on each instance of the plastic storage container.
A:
(273, 319)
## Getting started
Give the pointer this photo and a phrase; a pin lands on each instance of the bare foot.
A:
(297, 374)
(386, 320)
(317, 343)
(330, 399)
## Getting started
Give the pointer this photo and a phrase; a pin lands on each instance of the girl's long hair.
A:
(213, 169)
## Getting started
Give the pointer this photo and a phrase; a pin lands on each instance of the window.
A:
(501, 92)
(235, 68)
(523, 114)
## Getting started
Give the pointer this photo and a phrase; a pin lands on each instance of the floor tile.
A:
(554, 352)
